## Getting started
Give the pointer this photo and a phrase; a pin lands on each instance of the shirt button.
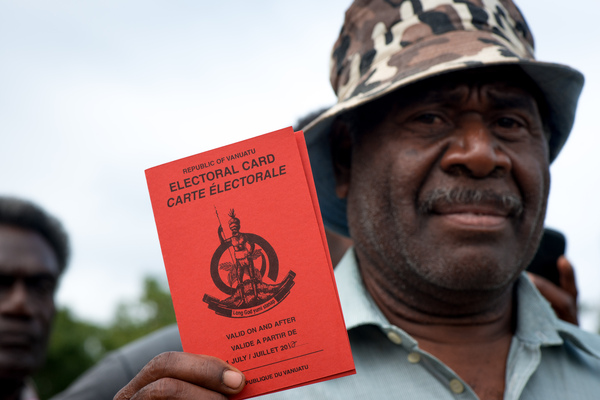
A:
(394, 337)
(456, 386)
(414, 358)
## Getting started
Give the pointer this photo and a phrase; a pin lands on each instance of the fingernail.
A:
(232, 379)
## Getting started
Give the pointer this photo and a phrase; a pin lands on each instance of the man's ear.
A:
(341, 155)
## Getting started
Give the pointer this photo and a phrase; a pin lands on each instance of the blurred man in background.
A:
(34, 251)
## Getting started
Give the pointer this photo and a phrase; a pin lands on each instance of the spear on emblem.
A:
(222, 235)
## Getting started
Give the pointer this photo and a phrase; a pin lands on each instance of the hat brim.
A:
(561, 85)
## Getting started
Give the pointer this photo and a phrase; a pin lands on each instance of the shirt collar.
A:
(536, 322)
(28, 392)
(357, 305)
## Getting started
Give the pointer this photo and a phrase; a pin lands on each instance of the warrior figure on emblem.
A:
(243, 252)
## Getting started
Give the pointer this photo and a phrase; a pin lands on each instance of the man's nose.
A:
(475, 151)
(15, 301)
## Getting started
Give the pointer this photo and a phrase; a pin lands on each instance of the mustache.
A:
(507, 202)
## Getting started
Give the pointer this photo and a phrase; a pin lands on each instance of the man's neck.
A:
(474, 342)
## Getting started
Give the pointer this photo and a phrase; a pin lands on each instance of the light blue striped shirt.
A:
(548, 358)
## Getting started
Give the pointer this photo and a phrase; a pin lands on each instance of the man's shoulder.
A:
(569, 369)
(587, 342)
(149, 346)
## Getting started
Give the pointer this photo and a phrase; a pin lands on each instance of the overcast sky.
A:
(94, 92)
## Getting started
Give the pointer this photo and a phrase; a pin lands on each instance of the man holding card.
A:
(435, 161)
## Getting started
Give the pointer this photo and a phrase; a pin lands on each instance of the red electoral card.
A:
(247, 262)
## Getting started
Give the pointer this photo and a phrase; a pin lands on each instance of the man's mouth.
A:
(475, 219)
(17, 339)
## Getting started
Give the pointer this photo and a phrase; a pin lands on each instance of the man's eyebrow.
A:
(507, 100)
(42, 275)
(37, 275)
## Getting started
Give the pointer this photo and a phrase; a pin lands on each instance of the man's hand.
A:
(177, 375)
(564, 298)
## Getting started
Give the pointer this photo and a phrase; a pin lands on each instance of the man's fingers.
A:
(182, 375)
(563, 303)
(173, 389)
(567, 276)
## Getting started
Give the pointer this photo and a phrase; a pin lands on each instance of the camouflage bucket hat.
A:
(387, 44)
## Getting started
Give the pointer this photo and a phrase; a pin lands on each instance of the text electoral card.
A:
(247, 262)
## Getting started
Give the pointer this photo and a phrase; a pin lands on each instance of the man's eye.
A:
(427, 118)
(508, 123)
(42, 285)
(6, 282)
